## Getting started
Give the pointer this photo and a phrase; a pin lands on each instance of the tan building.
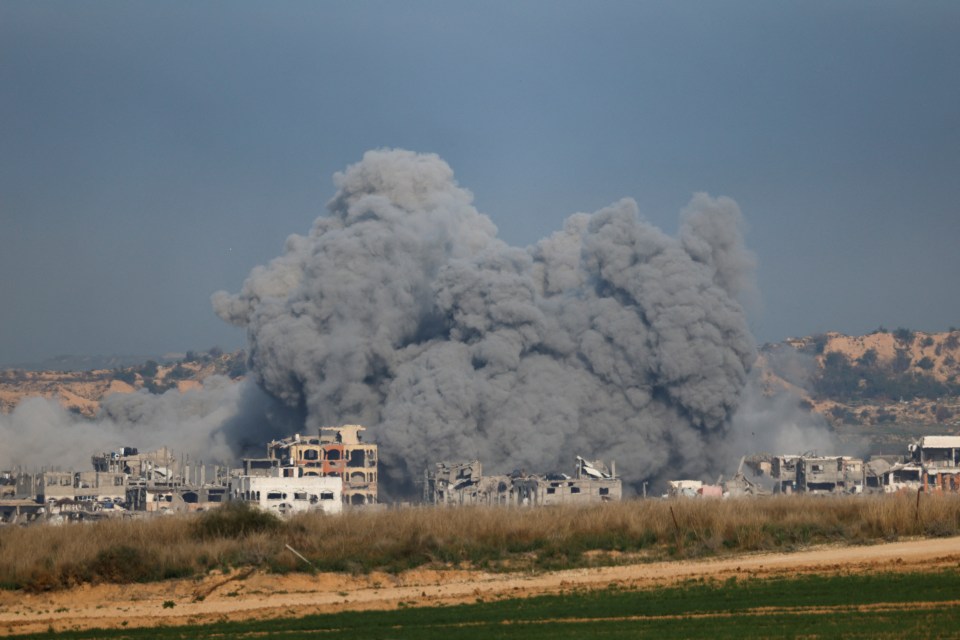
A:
(335, 452)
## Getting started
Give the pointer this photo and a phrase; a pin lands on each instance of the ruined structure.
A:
(933, 464)
(831, 474)
(463, 483)
(336, 452)
(808, 473)
(693, 489)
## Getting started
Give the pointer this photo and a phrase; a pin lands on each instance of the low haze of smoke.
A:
(777, 424)
(205, 424)
(403, 311)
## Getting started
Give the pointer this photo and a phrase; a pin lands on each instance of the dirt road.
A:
(245, 595)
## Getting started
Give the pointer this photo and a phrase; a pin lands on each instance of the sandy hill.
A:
(81, 391)
(898, 377)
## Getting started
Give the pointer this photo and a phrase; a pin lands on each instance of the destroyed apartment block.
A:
(809, 473)
(337, 452)
(830, 474)
(159, 481)
(463, 483)
(933, 464)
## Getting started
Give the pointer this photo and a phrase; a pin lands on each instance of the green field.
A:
(914, 605)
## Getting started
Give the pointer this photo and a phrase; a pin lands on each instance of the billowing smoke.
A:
(402, 310)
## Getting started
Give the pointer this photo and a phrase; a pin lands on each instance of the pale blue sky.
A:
(154, 152)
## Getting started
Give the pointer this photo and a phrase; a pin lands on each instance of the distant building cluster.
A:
(298, 474)
(932, 463)
(326, 473)
(337, 469)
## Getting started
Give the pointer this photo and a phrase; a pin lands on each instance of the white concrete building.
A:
(289, 495)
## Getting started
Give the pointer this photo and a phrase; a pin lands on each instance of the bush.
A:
(123, 564)
(179, 372)
(868, 359)
(235, 520)
(901, 362)
(125, 375)
(903, 335)
(149, 369)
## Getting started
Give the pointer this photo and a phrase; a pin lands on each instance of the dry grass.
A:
(48, 557)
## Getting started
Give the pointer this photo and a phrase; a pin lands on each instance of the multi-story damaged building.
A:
(75, 486)
(809, 473)
(338, 452)
(939, 457)
(159, 481)
(832, 474)
(463, 483)
(933, 464)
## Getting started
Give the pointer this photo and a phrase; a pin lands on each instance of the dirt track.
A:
(255, 595)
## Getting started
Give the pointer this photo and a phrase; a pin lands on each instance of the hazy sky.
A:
(152, 153)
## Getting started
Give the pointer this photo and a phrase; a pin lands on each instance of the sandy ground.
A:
(245, 595)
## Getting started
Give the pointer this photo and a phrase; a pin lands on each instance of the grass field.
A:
(911, 605)
(42, 558)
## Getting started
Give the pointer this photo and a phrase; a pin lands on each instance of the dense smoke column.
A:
(403, 311)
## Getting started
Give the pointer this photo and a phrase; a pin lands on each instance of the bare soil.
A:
(249, 594)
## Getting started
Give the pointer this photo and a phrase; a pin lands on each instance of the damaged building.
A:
(829, 474)
(932, 464)
(463, 483)
(336, 452)
(809, 473)
(159, 481)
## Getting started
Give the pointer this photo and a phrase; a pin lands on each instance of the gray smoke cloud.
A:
(402, 310)
(206, 424)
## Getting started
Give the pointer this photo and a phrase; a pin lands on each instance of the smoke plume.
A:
(208, 424)
(402, 310)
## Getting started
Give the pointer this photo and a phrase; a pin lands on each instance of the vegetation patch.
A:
(497, 539)
(915, 605)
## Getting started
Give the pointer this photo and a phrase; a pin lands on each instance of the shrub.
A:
(903, 335)
(123, 564)
(125, 375)
(901, 362)
(235, 520)
(179, 372)
(149, 369)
